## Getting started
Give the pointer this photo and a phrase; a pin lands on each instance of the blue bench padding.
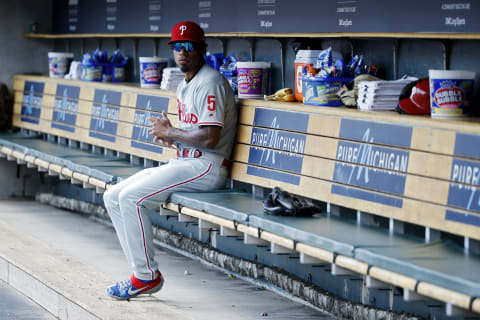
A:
(109, 169)
(232, 205)
(442, 263)
(334, 234)
(302, 229)
(15, 140)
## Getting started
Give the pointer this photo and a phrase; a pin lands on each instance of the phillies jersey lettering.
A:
(184, 116)
(208, 100)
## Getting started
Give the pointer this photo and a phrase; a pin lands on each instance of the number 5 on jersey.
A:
(211, 103)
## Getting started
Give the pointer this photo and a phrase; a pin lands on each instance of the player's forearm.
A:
(206, 137)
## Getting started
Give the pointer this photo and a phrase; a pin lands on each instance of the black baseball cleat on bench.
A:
(282, 203)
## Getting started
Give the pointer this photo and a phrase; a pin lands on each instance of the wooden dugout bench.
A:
(408, 169)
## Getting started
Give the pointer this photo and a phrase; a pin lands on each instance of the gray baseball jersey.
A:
(206, 100)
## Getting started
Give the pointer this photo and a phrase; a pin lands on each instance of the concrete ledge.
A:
(64, 286)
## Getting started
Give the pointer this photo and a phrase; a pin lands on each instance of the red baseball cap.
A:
(187, 31)
(415, 98)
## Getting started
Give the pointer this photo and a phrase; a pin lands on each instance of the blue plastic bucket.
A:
(114, 72)
(92, 72)
(322, 92)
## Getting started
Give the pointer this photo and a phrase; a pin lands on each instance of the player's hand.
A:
(160, 128)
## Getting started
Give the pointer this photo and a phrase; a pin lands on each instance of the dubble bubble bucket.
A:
(151, 69)
(253, 79)
(451, 93)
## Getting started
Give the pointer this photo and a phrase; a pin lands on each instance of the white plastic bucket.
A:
(58, 63)
(151, 69)
(253, 79)
(451, 92)
(302, 59)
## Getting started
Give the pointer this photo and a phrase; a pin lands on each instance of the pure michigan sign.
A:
(32, 101)
(65, 107)
(146, 107)
(464, 188)
(105, 114)
(274, 148)
(370, 164)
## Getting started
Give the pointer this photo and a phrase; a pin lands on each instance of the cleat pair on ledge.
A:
(133, 287)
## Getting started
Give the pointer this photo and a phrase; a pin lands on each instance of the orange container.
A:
(302, 59)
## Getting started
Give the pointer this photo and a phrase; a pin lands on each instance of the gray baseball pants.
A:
(129, 202)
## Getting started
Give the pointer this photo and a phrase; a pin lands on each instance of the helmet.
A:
(415, 98)
(187, 31)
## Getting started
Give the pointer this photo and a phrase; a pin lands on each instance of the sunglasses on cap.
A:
(188, 46)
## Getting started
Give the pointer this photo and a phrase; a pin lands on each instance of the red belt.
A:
(195, 153)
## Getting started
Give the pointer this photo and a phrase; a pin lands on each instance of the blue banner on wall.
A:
(107, 96)
(278, 149)
(373, 156)
(275, 159)
(464, 191)
(274, 175)
(465, 181)
(147, 107)
(152, 103)
(366, 195)
(369, 166)
(464, 145)
(279, 119)
(65, 107)
(32, 102)
(72, 92)
(372, 167)
(376, 133)
(104, 119)
(35, 87)
(373, 179)
(465, 218)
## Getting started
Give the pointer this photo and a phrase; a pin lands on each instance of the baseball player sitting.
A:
(204, 138)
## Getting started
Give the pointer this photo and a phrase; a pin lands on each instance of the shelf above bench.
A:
(452, 36)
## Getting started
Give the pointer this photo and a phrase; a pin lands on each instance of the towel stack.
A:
(171, 78)
(381, 95)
